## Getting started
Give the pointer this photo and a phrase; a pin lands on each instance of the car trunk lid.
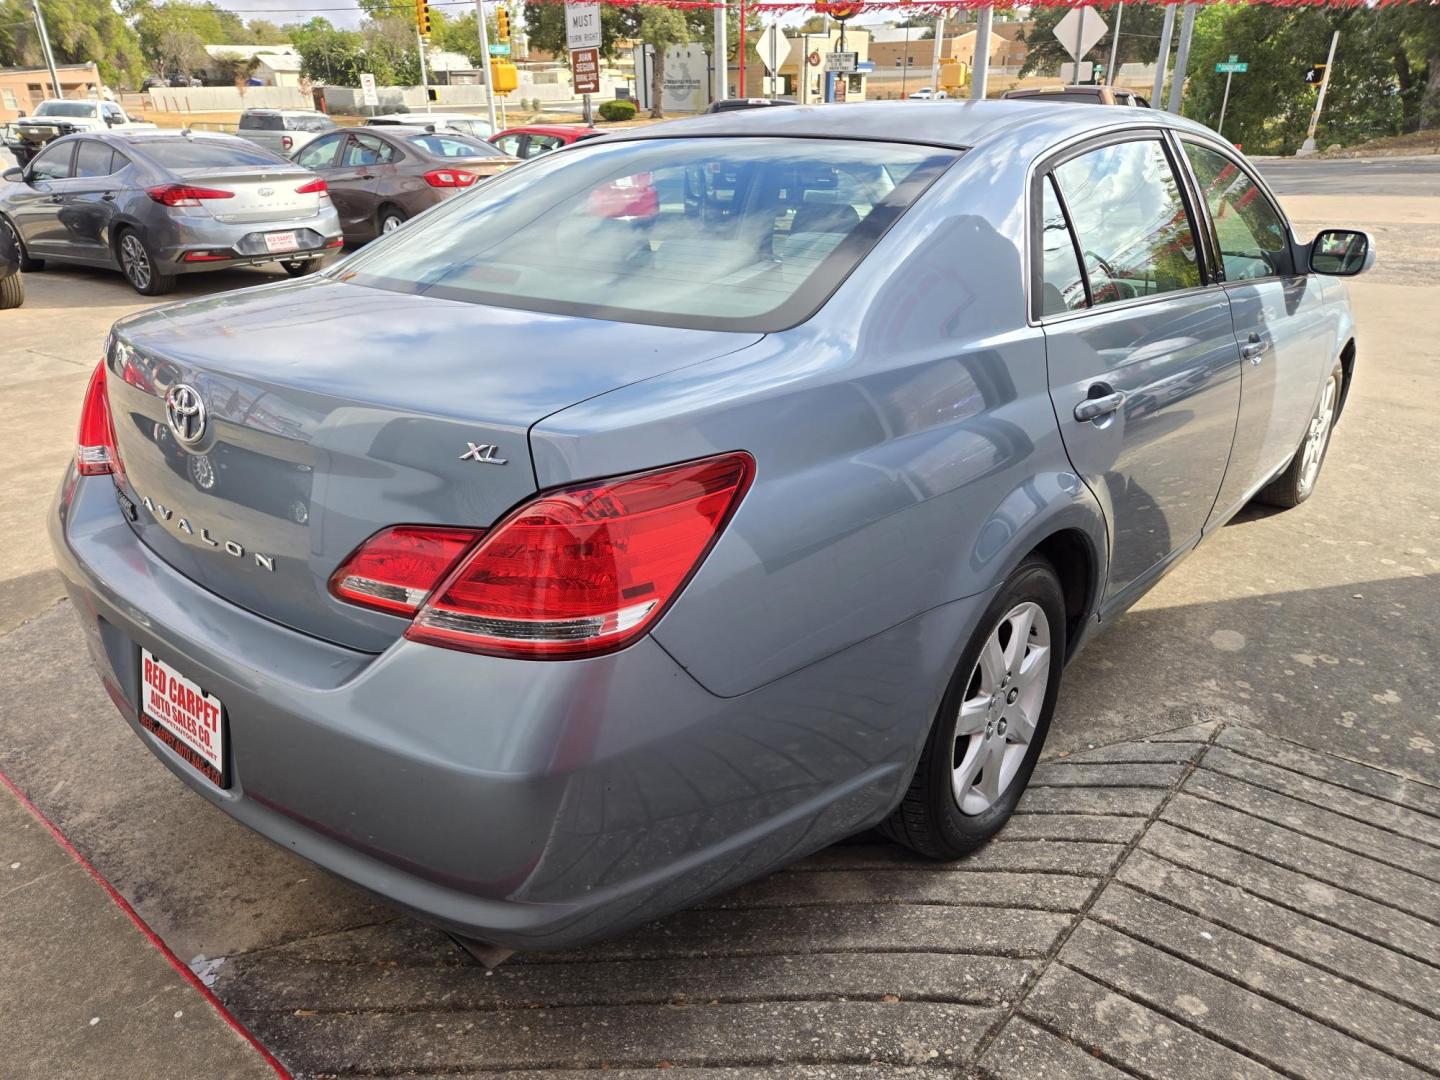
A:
(332, 410)
(258, 193)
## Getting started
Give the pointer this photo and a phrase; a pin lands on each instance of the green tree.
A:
(661, 27)
(80, 31)
(265, 32)
(1139, 37)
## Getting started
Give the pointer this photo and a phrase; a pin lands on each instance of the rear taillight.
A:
(397, 567)
(314, 187)
(585, 569)
(449, 178)
(95, 446)
(185, 194)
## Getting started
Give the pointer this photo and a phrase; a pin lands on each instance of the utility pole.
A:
(1162, 61)
(45, 48)
(980, 69)
(722, 55)
(935, 58)
(905, 64)
(1182, 56)
(1308, 147)
(1224, 103)
(1115, 42)
(424, 75)
(489, 67)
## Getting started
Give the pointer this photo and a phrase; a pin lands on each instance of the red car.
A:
(537, 139)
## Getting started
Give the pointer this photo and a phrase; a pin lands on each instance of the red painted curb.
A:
(144, 928)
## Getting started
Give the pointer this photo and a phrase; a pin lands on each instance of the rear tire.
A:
(300, 267)
(12, 291)
(952, 806)
(390, 218)
(27, 264)
(1297, 482)
(139, 266)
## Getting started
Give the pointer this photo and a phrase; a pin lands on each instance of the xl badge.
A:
(483, 453)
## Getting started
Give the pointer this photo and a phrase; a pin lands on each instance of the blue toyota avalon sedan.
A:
(679, 503)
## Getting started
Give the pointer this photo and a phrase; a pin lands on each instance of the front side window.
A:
(543, 144)
(1135, 235)
(53, 163)
(508, 144)
(320, 154)
(1063, 287)
(1253, 239)
(745, 234)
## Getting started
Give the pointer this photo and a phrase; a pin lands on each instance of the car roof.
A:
(286, 112)
(957, 123)
(426, 118)
(548, 129)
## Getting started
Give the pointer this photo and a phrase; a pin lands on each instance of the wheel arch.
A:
(1347, 368)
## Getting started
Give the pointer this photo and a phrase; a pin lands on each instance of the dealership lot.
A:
(1227, 866)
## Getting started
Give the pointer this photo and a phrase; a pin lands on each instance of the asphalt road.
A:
(1353, 176)
(1316, 626)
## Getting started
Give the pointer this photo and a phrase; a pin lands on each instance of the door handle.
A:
(1254, 349)
(1094, 408)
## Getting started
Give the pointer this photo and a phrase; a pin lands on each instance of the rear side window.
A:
(93, 159)
(1251, 232)
(508, 144)
(1135, 235)
(183, 153)
(261, 122)
(744, 233)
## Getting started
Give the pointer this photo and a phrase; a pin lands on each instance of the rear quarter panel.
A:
(907, 451)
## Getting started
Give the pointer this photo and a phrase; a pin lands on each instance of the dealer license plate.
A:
(183, 716)
(281, 241)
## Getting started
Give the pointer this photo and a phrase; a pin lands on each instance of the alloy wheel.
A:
(134, 261)
(391, 223)
(1001, 707)
(1318, 437)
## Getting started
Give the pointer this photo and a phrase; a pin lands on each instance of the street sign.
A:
(585, 69)
(842, 62)
(582, 26)
(1232, 67)
(501, 49)
(367, 89)
(774, 49)
(1079, 31)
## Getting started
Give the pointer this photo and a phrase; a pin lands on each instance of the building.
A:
(275, 65)
(21, 89)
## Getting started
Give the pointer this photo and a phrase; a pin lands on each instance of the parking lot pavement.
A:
(1251, 894)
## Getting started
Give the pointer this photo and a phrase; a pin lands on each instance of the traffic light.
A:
(502, 24)
(422, 17)
(503, 76)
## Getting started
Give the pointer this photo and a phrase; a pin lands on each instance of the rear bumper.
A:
(175, 236)
(528, 804)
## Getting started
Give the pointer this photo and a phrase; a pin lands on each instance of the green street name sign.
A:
(502, 49)
(1234, 66)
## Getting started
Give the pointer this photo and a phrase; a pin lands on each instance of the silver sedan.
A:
(161, 203)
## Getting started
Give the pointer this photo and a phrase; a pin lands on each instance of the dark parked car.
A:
(12, 285)
(732, 104)
(537, 139)
(682, 503)
(160, 203)
(381, 177)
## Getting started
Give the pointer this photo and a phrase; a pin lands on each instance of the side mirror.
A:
(14, 175)
(1341, 253)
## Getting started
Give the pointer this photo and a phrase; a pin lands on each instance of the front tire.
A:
(1297, 482)
(139, 266)
(27, 264)
(992, 722)
(12, 291)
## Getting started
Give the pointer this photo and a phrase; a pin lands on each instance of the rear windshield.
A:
(448, 145)
(184, 154)
(262, 122)
(742, 234)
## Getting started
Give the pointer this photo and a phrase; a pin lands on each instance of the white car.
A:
(928, 93)
(63, 116)
(464, 123)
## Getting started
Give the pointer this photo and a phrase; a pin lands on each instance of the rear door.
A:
(1280, 326)
(1144, 373)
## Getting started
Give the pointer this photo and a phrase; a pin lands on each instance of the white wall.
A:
(227, 98)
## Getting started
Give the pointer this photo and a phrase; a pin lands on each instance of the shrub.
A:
(617, 110)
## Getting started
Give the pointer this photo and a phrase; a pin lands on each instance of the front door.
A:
(355, 182)
(1281, 328)
(1144, 374)
(323, 156)
(35, 206)
(87, 200)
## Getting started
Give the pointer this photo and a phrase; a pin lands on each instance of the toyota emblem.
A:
(185, 413)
